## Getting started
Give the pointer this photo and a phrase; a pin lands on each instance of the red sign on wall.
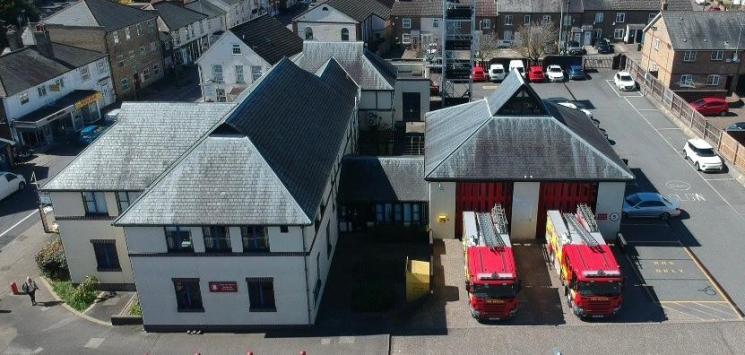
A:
(223, 286)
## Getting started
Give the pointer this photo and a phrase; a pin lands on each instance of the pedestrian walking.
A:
(29, 287)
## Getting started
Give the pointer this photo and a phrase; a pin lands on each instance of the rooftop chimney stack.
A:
(14, 38)
(664, 5)
(43, 43)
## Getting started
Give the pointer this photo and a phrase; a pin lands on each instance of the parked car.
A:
(739, 126)
(89, 133)
(496, 72)
(576, 73)
(624, 81)
(554, 73)
(711, 106)
(11, 183)
(536, 74)
(650, 205)
(574, 48)
(702, 155)
(478, 74)
(603, 46)
(112, 115)
(587, 112)
(518, 65)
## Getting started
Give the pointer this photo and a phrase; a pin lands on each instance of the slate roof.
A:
(636, 5)
(205, 7)
(433, 8)
(353, 57)
(473, 142)
(269, 38)
(379, 179)
(700, 30)
(360, 10)
(26, 68)
(538, 6)
(100, 13)
(145, 141)
(267, 163)
(176, 16)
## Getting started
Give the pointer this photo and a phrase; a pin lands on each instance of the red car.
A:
(478, 74)
(711, 106)
(536, 75)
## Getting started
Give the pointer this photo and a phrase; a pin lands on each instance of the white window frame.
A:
(23, 98)
(406, 38)
(599, 17)
(717, 56)
(616, 33)
(240, 76)
(256, 72)
(527, 19)
(127, 34)
(101, 66)
(435, 23)
(686, 80)
(656, 44)
(567, 20)
(713, 80)
(115, 34)
(406, 22)
(41, 90)
(485, 24)
(85, 74)
(217, 68)
(545, 19)
(507, 20)
(689, 56)
(620, 17)
(238, 47)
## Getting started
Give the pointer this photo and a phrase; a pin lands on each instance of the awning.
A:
(66, 104)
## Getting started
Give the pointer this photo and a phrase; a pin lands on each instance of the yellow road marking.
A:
(716, 286)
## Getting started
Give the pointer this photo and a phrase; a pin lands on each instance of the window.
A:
(651, 16)
(153, 46)
(106, 256)
(188, 295)
(120, 60)
(284, 229)
(142, 50)
(220, 93)
(42, 91)
(344, 34)
(567, 20)
(656, 44)
(123, 200)
(216, 239)
(254, 239)
(236, 49)
(435, 23)
(145, 74)
(94, 203)
(486, 23)
(261, 294)
(406, 22)
(156, 69)
(405, 38)
(717, 55)
(546, 19)
(60, 82)
(620, 17)
(686, 80)
(126, 33)
(178, 239)
(712, 80)
(255, 72)
(139, 29)
(116, 37)
(23, 97)
(308, 34)
(526, 20)
(239, 78)
(217, 73)
(328, 240)
(151, 26)
(125, 84)
(599, 18)
(85, 74)
(100, 66)
(132, 55)
(618, 33)
(689, 56)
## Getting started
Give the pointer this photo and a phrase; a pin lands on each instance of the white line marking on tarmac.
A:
(489, 87)
(325, 341)
(719, 179)
(17, 224)
(668, 129)
(38, 350)
(94, 343)
(346, 340)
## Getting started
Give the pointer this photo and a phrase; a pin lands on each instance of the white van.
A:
(496, 72)
(517, 64)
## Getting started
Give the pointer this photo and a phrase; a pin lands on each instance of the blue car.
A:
(577, 73)
(89, 134)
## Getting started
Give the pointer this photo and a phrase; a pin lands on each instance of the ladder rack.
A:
(580, 230)
(488, 230)
(584, 211)
(500, 219)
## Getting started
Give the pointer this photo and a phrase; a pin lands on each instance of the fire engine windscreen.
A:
(495, 291)
(599, 288)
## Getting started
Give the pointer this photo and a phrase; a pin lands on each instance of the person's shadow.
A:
(49, 303)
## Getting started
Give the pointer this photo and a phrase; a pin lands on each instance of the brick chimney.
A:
(14, 38)
(43, 43)
(664, 5)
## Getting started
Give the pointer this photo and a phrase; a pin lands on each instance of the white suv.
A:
(702, 155)
(624, 81)
(554, 73)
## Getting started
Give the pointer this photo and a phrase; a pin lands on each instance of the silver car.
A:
(649, 205)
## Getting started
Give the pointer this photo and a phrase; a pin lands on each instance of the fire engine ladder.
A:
(488, 231)
(500, 219)
(585, 212)
(581, 231)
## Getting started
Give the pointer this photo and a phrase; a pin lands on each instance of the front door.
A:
(588, 38)
(411, 107)
(507, 36)
(577, 37)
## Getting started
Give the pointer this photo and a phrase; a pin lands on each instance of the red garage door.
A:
(481, 197)
(563, 196)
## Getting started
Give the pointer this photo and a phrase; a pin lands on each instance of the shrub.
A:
(51, 260)
(85, 293)
(136, 309)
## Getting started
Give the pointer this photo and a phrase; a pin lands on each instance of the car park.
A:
(576, 73)
(496, 72)
(536, 75)
(624, 81)
(554, 73)
(10, 183)
(517, 65)
(702, 155)
(478, 74)
(711, 106)
(739, 126)
(649, 205)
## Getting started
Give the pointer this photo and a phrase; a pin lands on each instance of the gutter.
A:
(305, 265)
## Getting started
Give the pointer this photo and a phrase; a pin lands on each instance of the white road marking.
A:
(325, 341)
(719, 179)
(346, 340)
(94, 343)
(17, 224)
(668, 129)
(38, 350)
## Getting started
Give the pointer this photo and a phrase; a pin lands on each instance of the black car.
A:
(604, 47)
(739, 126)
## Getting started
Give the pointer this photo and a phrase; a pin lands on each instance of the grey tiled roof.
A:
(100, 13)
(636, 5)
(699, 30)
(468, 142)
(74, 57)
(539, 6)
(145, 141)
(269, 38)
(360, 10)
(433, 8)
(176, 16)
(370, 179)
(205, 7)
(267, 163)
(351, 56)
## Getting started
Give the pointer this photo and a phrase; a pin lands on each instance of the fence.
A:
(728, 146)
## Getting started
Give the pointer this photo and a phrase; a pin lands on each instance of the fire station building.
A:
(528, 155)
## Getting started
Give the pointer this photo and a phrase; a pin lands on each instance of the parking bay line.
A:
(18, 223)
(713, 283)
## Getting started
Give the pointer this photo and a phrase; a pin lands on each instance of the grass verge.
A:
(66, 291)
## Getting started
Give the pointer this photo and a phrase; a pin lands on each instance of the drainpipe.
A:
(305, 264)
